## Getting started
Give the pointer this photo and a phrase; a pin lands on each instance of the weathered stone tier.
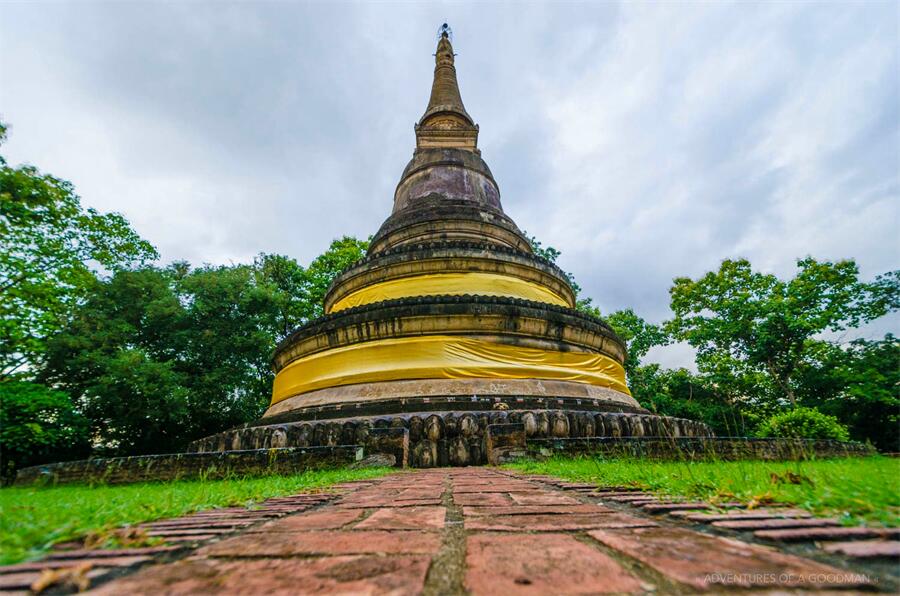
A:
(479, 245)
(452, 173)
(440, 395)
(496, 328)
(450, 438)
(440, 218)
(519, 322)
(442, 258)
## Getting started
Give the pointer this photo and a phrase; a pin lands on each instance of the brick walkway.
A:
(486, 531)
(479, 530)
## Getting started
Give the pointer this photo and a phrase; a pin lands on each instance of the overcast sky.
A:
(645, 141)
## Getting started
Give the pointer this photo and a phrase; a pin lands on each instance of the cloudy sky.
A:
(645, 141)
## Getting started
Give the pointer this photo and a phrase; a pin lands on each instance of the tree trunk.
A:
(783, 383)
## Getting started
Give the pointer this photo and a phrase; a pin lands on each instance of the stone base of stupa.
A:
(426, 436)
(430, 395)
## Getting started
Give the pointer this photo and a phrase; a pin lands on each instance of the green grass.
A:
(858, 490)
(34, 519)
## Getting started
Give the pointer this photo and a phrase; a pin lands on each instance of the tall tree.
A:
(157, 357)
(50, 252)
(859, 383)
(287, 280)
(38, 425)
(301, 291)
(323, 269)
(744, 323)
(122, 358)
(639, 336)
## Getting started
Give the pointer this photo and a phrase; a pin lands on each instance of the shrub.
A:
(804, 423)
(38, 425)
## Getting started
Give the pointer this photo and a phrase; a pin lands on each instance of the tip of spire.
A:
(444, 53)
(446, 122)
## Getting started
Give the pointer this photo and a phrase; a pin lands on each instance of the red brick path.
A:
(481, 531)
(486, 531)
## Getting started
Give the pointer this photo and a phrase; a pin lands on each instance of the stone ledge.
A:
(510, 320)
(701, 448)
(327, 321)
(464, 246)
(444, 395)
(177, 466)
(504, 442)
(451, 438)
(447, 257)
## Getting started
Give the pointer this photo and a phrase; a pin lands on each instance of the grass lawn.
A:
(858, 490)
(33, 519)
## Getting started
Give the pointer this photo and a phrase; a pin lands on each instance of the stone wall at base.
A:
(701, 448)
(496, 444)
(175, 466)
(451, 438)
(504, 443)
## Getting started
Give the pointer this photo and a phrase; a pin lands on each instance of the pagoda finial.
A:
(446, 122)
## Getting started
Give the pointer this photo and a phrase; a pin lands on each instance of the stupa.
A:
(450, 323)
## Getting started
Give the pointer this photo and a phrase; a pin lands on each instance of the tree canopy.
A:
(100, 349)
(38, 425)
(757, 324)
(52, 251)
(762, 348)
(157, 357)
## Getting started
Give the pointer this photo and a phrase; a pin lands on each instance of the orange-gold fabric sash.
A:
(442, 357)
(455, 284)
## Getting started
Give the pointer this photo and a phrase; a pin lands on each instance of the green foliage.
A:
(33, 519)
(804, 423)
(858, 383)
(758, 345)
(745, 324)
(683, 394)
(37, 425)
(545, 252)
(287, 282)
(300, 292)
(854, 489)
(117, 360)
(639, 337)
(158, 357)
(51, 250)
(323, 269)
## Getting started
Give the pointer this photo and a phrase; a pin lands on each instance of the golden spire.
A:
(446, 122)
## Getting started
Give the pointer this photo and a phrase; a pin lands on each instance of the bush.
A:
(804, 423)
(38, 425)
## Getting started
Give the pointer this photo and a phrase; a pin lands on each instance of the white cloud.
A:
(645, 141)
